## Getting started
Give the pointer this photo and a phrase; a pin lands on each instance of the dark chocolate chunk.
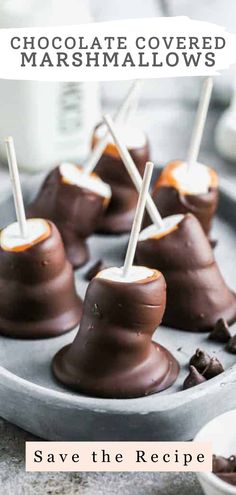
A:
(220, 332)
(200, 360)
(223, 464)
(225, 468)
(214, 368)
(194, 378)
(231, 346)
(94, 270)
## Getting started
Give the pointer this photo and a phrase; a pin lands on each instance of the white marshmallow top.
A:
(10, 237)
(193, 180)
(132, 136)
(136, 273)
(75, 176)
(168, 224)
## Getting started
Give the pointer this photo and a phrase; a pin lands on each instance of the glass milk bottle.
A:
(50, 121)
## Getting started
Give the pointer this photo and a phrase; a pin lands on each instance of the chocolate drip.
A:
(119, 215)
(37, 291)
(74, 210)
(197, 295)
(113, 354)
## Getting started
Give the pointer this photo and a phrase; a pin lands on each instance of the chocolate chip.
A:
(223, 465)
(231, 346)
(194, 378)
(206, 365)
(200, 360)
(225, 468)
(214, 368)
(220, 332)
(94, 270)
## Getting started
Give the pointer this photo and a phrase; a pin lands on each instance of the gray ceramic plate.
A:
(33, 400)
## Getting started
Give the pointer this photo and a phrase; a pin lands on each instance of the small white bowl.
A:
(221, 432)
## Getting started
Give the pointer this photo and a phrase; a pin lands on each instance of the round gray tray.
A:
(33, 400)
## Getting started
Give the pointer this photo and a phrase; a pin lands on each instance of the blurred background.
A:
(51, 122)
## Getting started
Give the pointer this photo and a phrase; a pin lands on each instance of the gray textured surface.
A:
(13, 479)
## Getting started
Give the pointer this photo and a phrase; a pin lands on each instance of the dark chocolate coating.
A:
(37, 290)
(113, 354)
(118, 217)
(74, 210)
(170, 201)
(197, 295)
(97, 267)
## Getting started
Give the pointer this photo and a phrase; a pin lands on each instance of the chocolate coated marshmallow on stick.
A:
(75, 198)
(119, 215)
(113, 354)
(38, 297)
(189, 186)
(197, 295)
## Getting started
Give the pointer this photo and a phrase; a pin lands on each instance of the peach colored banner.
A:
(118, 456)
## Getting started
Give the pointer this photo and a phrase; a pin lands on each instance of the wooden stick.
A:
(200, 121)
(119, 116)
(132, 171)
(129, 258)
(16, 187)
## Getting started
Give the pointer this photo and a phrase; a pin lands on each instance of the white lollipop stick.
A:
(138, 219)
(132, 171)
(199, 123)
(130, 105)
(16, 187)
(120, 114)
